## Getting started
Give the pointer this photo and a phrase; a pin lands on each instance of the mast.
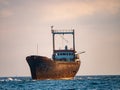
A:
(73, 40)
(54, 32)
(53, 38)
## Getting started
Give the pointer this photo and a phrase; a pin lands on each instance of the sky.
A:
(24, 24)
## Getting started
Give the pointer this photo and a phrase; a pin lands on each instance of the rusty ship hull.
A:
(45, 68)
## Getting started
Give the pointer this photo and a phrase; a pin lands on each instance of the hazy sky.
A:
(26, 23)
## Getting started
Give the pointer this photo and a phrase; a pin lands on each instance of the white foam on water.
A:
(10, 79)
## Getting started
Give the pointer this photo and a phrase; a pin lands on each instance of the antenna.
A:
(81, 52)
(52, 27)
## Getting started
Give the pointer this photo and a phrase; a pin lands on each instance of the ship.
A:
(63, 64)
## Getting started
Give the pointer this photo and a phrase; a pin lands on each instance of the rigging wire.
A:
(62, 36)
(63, 40)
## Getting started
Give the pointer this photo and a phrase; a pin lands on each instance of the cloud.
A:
(4, 2)
(108, 6)
(5, 8)
(56, 10)
(75, 9)
(6, 13)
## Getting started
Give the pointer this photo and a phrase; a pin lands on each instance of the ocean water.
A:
(78, 83)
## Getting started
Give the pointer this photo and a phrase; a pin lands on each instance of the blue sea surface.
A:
(78, 83)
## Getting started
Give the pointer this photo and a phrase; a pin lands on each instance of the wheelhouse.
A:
(64, 55)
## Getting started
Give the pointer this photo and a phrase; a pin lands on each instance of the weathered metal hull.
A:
(45, 68)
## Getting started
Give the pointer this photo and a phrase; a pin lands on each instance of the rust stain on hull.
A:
(45, 68)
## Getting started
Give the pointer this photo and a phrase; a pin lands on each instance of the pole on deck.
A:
(53, 38)
(73, 40)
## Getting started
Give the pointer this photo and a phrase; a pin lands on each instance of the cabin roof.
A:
(64, 51)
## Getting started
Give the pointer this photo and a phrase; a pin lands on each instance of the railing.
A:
(63, 31)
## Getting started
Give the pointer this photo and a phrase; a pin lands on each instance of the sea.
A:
(107, 82)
